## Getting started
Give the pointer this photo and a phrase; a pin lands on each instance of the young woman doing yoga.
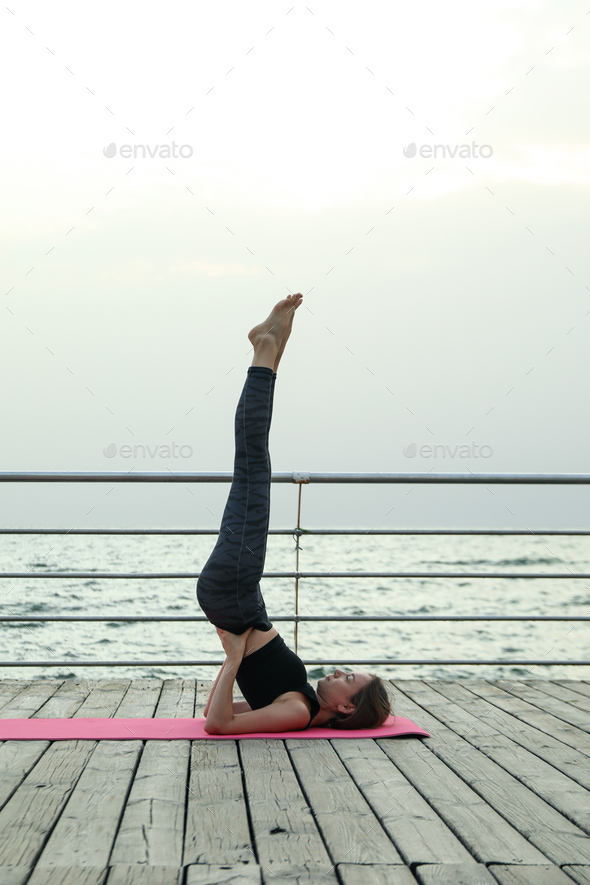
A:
(271, 677)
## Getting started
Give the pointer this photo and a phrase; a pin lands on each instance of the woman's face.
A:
(339, 687)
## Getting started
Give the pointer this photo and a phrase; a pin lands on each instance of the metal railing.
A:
(300, 479)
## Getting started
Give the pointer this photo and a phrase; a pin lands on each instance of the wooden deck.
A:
(500, 793)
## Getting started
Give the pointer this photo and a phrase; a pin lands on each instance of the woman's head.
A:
(356, 700)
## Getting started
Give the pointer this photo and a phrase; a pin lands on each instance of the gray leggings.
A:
(228, 588)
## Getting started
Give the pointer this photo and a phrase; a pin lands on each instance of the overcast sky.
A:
(446, 298)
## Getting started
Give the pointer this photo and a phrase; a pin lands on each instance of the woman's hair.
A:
(373, 706)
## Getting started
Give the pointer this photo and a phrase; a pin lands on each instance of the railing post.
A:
(298, 478)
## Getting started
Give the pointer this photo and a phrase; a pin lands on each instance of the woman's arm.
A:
(290, 715)
(212, 692)
(241, 707)
(237, 706)
(220, 711)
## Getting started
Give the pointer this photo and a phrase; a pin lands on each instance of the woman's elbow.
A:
(213, 728)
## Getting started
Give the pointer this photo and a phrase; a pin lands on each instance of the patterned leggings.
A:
(228, 588)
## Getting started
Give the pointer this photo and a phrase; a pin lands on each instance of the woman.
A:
(271, 677)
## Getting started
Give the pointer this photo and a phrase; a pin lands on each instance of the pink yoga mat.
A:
(175, 729)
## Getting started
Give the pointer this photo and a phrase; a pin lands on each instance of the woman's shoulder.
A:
(289, 696)
(305, 695)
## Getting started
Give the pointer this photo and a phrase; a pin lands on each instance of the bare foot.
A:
(275, 330)
(285, 339)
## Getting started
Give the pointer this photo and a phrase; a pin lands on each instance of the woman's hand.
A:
(233, 645)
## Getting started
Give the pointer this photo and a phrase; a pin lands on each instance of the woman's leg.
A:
(228, 588)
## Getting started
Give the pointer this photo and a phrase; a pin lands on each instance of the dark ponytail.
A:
(373, 706)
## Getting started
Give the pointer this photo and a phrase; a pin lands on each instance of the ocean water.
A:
(337, 640)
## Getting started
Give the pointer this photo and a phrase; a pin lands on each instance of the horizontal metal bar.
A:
(315, 575)
(299, 531)
(379, 661)
(404, 478)
(293, 618)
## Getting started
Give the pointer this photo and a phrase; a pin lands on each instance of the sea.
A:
(115, 641)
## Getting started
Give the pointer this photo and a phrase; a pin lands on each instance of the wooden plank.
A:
(217, 829)
(103, 699)
(67, 700)
(580, 874)
(574, 685)
(461, 714)
(562, 693)
(559, 839)
(571, 762)
(142, 874)
(14, 875)
(17, 758)
(152, 828)
(506, 700)
(375, 874)
(140, 699)
(84, 834)
(69, 876)
(31, 812)
(419, 834)
(19, 875)
(454, 874)
(203, 688)
(9, 688)
(223, 874)
(282, 822)
(177, 700)
(529, 875)
(460, 791)
(298, 874)
(559, 709)
(28, 701)
(348, 825)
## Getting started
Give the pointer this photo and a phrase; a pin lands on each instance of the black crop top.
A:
(272, 670)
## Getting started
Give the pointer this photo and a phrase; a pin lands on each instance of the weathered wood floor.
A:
(500, 793)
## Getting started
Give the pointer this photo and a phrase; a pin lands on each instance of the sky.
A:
(446, 289)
